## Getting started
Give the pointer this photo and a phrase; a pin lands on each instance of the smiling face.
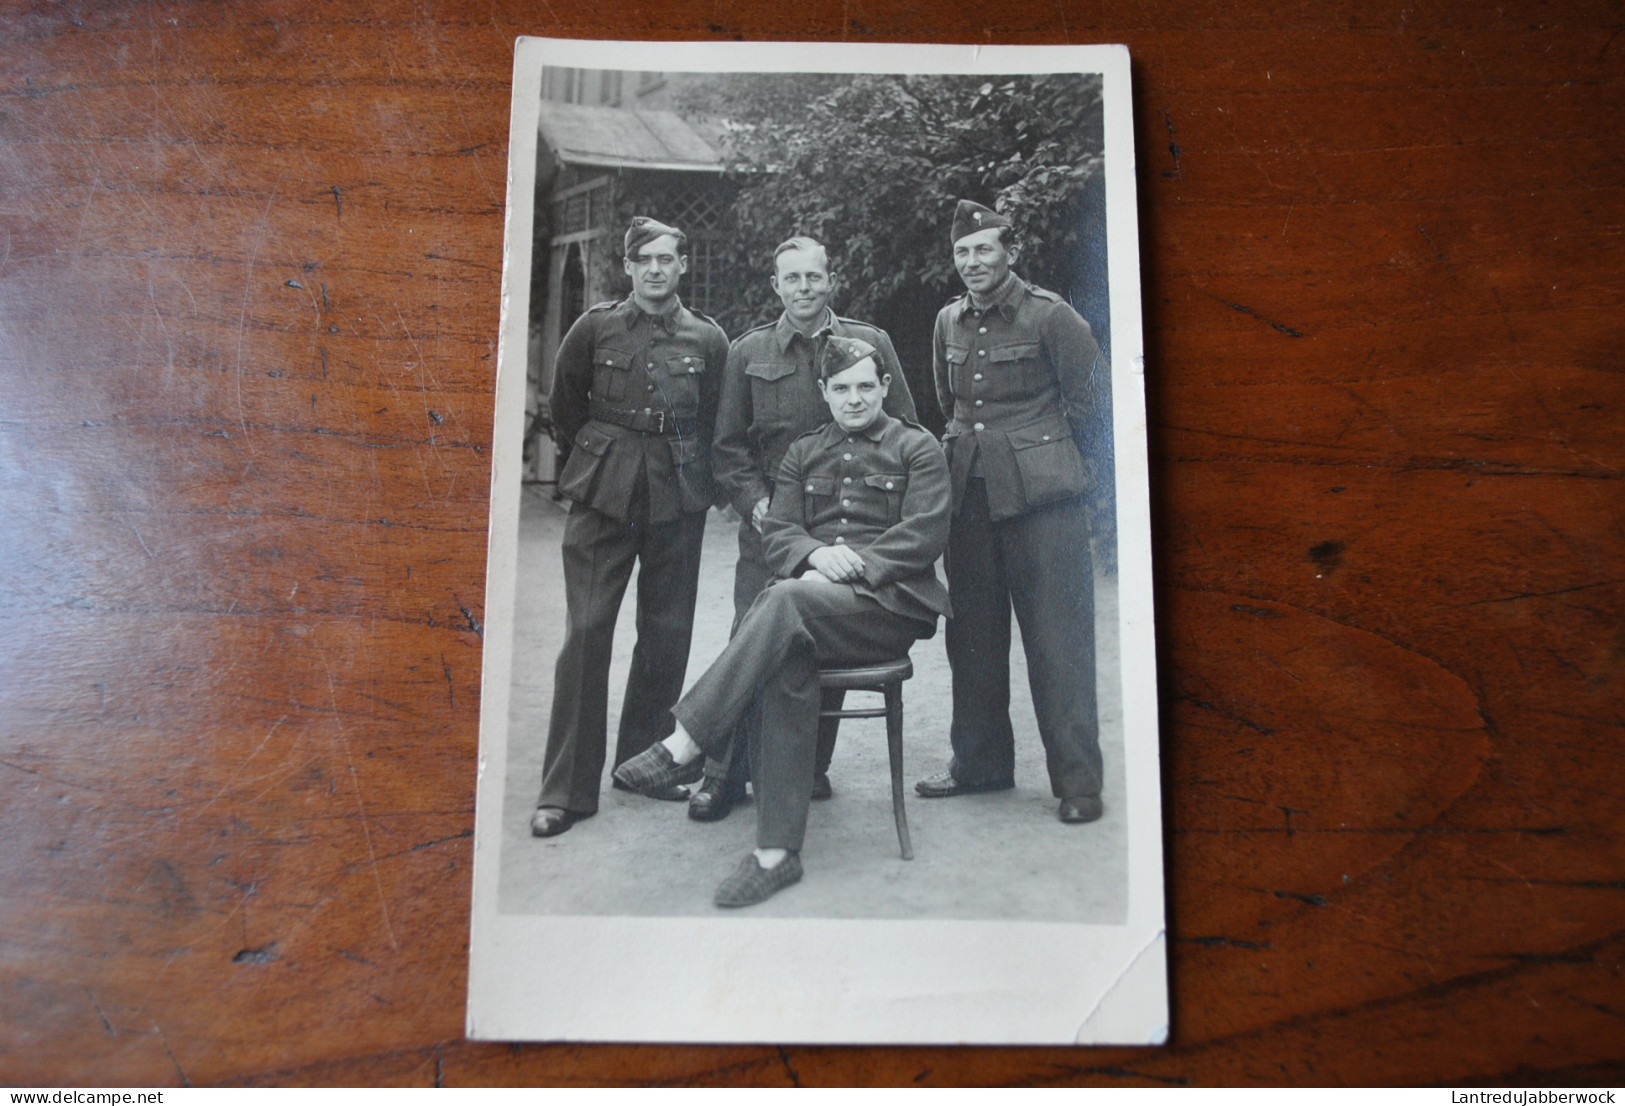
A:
(802, 280)
(854, 395)
(983, 260)
(655, 272)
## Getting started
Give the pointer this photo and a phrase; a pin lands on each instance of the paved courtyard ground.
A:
(998, 856)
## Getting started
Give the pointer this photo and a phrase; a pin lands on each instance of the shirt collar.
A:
(876, 431)
(631, 313)
(1004, 297)
(785, 331)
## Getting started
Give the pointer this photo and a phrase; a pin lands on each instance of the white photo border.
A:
(736, 979)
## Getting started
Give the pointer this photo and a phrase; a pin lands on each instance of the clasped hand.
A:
(837, 564)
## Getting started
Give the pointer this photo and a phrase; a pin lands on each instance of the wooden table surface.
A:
(249, 265)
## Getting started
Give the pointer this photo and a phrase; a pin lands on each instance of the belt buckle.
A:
(660, 425)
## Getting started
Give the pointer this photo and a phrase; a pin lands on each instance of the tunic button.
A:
(979, 426)
(846, 503)
(840, 541)
(982, 330)
(809, 487)
(888, 485)
(978, 403)
(1046, 437)
(650, 388)
(843, 522)
(978, 376)
(688, 360)
(846, 456)
(981, 353)
(846, 480)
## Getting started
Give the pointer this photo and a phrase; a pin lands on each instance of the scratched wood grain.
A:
(249, 258)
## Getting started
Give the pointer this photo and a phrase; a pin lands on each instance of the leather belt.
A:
(645, 420)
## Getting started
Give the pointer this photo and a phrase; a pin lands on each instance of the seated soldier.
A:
(858, 519)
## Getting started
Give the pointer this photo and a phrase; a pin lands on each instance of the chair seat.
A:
(871, 675)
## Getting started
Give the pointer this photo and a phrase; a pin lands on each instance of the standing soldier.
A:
(770, 397)
(635, 395)
(1013, 365)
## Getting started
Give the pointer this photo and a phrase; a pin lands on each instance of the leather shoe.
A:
(670, 795)
(821, 788)
(653, 771)
(1084, 808)
(550, 821)
(943, 785)
(751, 883)
(711, 803)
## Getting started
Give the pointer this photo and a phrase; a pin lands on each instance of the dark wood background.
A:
(249, 266)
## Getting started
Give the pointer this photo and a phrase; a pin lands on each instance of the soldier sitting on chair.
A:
(858, 518)
(770, 397)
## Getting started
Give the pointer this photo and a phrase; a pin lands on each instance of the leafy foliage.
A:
(872, 165)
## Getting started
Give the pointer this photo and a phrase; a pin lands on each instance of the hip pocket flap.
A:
(593, 441)
(887, 482)
(1027, 437)
(819, 485)
(956, 355)
(687, 365)
(686, 450)
(614, 358)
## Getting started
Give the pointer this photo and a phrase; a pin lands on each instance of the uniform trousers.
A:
(792, 629)
(1039, 564)
(599, 553)
(751, 576)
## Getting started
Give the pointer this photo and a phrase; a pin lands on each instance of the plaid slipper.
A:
(751, 884)
(653, 771)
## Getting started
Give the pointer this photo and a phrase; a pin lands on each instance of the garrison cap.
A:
(971, 217)
(645, 230)
(841, 354)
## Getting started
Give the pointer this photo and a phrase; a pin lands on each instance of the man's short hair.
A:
(800, 242)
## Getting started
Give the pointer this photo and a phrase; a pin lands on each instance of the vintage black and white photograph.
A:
(819, 695)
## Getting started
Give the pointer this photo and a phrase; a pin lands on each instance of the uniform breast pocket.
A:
(611, 374)
(818, 490)
(1020, 365)
(769, 382)
(886, 489)
(682, 383)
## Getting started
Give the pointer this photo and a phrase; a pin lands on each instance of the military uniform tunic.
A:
(1014, 374)
(883, 493)
(770, 397)
(635, 395)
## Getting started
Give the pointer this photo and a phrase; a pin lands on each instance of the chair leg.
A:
(894, 746)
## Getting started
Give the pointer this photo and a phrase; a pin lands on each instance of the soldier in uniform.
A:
(1012, 365)
(635, 394)
(858, 518)
(770, 396)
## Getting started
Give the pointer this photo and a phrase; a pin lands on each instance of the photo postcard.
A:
(819, 699)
